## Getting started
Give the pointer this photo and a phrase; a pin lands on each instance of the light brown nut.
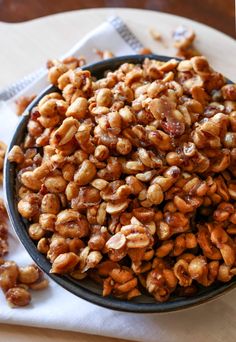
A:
(121, 276)
(29, 180)
(148, 158)
(185, 65)
(71, 224)
(160, 140)
(87, 198)
(230, 140)
(165, 249)
(64, 263)
(225, 273)
(101, 215)
(68, 171)
(71, 191)
(78, 108)
(97, 240)
(35, 231)
(39, 285)
(117, 241)
(55, 184)
(86, 173)
(127, 115)
(126, 287)
(55, 72)
(43, 245)
(101, 152)
(135, 185)
(99, 183)
(229, 92)
(105, 267)
(155, 194)
(182, 274)
(201, 66)
(9, 272)
(228, 254)
(156, 284)
(144, 215)
(116, 208)
(29, 274)
(92, 260)
(137, 236)
(58, 245)
(78, 275)
(123, 146)
(232, 190)
(16, 155)
(104, 97)
(53, 95)
(146, 176)
(50, 204)
(52, 108)
(198, 268)
(47, 221)
(65, 132)
(18, 296)
(28, 206)
(137, 240)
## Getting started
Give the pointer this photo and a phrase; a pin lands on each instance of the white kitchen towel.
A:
(57, 308)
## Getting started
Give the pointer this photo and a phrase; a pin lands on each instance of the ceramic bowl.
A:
(86, 288)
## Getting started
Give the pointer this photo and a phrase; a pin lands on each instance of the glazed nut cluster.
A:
(130, 179)
(3, 148)
(3, 230)
(16, 281)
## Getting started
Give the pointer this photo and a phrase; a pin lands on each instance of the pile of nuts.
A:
(3, 148)
(129, 179)
(16, 281)
(3, 230)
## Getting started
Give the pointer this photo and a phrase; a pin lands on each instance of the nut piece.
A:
(116, 208)
(117, 241)
(64, 263)
(16, 155)
(71, 224)
(86, 173)
(18, 296)
(9, 272)
(155, 194)
(28, 274)
(78, 108)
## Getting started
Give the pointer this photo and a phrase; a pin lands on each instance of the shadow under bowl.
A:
(87, 289)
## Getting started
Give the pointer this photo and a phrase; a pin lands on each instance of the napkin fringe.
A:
(125, 33)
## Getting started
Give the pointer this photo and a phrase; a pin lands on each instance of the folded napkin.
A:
(55, 307)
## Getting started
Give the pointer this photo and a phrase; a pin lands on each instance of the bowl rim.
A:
(65, 281)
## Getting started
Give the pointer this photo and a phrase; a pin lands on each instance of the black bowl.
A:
(87, 289)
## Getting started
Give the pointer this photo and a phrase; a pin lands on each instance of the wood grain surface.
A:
(15, 333)
(219, 14)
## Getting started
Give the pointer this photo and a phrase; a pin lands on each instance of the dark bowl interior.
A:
(86, 288)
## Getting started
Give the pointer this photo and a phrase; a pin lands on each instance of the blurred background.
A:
(219, 14)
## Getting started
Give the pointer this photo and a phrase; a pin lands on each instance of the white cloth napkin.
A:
(57, 308)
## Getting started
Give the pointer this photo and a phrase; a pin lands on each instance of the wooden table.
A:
(13, 333)
(218, 16)
(216, 13)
